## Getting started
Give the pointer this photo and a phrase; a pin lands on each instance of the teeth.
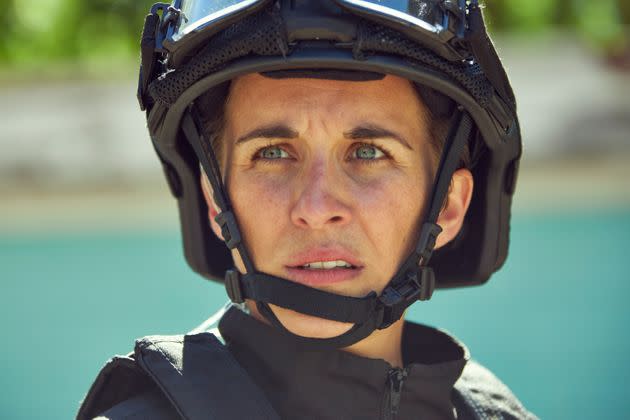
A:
(326, 265)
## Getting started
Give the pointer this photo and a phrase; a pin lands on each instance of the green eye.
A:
(368, 152)
(273, 152)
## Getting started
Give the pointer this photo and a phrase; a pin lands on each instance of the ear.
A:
(213, 209)
(451, 217)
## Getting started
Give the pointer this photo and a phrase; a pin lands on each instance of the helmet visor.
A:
(436, 24)
(210, 15)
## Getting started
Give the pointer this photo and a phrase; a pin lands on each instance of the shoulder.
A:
(487, 396)
(124, 389)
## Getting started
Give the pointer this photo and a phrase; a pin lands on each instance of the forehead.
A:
(255, 98)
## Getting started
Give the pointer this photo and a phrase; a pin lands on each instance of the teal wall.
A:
(552, 323)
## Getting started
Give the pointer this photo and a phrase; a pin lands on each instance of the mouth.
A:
(318, 270)
(326, 265)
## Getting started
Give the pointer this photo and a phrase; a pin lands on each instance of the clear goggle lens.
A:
(422, 13)
(198, 15)
(427, 21)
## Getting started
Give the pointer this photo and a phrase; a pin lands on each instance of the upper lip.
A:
(323, 254)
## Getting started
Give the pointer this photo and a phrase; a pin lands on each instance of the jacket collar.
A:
(336, 384)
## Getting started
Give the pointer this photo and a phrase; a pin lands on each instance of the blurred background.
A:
(90, 254)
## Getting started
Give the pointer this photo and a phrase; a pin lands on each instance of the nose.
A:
(320, 198)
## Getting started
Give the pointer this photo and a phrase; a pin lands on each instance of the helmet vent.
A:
(259, 34)
(378, 39)
(263, 34)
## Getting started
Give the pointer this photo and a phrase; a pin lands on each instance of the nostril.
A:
(336, 219)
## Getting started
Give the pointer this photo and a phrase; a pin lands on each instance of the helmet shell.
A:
(481, 246)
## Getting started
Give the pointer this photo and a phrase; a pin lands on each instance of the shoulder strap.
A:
(201, 378)
(480, 395)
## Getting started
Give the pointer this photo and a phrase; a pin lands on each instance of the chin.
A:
(309, 326)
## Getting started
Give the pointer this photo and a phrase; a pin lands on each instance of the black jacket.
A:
(301, 382)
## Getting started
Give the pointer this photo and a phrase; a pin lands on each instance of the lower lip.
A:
(312, 277)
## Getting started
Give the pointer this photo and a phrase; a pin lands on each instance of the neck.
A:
(381, 344)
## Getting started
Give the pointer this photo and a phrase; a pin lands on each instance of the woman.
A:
(334, 147)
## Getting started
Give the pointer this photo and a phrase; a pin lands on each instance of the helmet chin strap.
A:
(413, 281)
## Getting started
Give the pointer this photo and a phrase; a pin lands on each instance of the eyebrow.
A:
(277, 131)
(370, 131)
(361, 132)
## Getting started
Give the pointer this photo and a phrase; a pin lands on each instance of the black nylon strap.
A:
(262, 287)
(203, 149)
(413, 281)
(355, 334)
(459, 133)
(208, 160)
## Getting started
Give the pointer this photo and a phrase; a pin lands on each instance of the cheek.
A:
(390, 211)
(260, 206)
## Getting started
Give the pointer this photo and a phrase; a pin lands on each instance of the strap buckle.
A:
(229, 228)
(455, 21)
(394, 300)
(426, 243)
(171, 15)
(455, 7)
(233, 286)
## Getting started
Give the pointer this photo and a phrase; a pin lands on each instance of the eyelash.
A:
(257, 158)
(256, 155)
(382, 149)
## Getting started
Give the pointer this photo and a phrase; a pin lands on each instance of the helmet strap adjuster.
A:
(395, 299)
(426, 243)
(229, 228)
(233, 286)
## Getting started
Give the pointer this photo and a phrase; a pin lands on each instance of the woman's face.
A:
(328, 180)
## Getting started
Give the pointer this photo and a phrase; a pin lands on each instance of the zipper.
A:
(391, 399)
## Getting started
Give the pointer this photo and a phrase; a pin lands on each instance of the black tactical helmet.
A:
(192, 48)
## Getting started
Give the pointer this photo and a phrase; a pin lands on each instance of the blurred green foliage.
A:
(41, 32)
(603, 23)
(46, 31)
